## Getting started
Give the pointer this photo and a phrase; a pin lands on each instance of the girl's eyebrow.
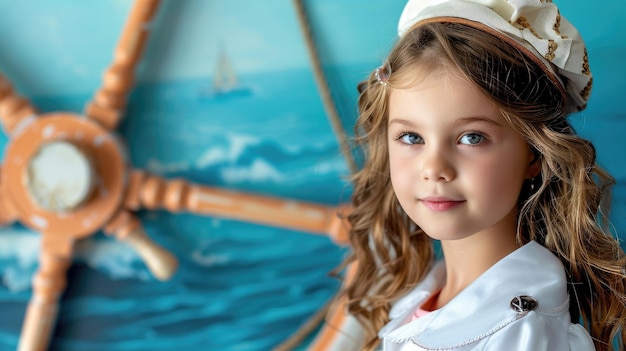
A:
(462, 120)
(402, 121)
(478, 119)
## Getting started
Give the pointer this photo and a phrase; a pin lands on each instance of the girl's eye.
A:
(472, 139)
(410, 139)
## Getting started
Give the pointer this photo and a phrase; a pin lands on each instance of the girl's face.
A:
(456, 166)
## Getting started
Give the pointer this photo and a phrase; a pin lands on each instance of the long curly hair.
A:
(568, 213)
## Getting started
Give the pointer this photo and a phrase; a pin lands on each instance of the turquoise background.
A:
(241, 286)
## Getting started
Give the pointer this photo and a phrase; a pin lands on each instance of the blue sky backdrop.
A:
(258, 36)
(50, 49)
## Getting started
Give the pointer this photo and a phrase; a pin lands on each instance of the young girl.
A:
(467, 142)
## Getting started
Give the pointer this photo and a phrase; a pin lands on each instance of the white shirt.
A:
(495, 312)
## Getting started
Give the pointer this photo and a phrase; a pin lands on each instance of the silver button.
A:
(523, 303)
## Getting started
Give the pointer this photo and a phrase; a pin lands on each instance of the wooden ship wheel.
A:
(66, 176)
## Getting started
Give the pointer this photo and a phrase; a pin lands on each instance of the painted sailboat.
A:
(225, 81)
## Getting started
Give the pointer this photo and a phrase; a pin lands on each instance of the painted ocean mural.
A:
(240, 286)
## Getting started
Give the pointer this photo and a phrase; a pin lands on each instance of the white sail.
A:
(225, 81)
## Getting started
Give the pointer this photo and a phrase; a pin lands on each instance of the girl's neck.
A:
(466, 259)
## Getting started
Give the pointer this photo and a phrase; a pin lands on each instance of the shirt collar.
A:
(484, 306)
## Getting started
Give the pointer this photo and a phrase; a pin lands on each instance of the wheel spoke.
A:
(48, 284)
(108, 103)
(13, 107)
(126, 227)
(152, 192)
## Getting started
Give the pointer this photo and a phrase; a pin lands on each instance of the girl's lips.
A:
(440, 204)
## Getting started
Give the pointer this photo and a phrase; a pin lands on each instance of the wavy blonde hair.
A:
(567, 213)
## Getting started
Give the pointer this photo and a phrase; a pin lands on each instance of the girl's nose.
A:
(437, 165)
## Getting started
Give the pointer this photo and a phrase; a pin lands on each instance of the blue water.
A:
(240, 286)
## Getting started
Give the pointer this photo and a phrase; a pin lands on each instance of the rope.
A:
(323, 87)
(305, 329)
(314, 321)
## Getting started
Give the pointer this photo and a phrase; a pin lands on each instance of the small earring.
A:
(532, 184)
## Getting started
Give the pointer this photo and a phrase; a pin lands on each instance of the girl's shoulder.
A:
(539, 332)
(524, 291)
(532, 265)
